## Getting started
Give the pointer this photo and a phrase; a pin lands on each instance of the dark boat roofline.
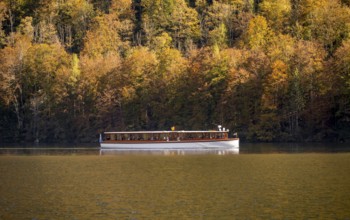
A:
(162, 132)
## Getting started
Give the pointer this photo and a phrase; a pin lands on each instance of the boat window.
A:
(173, 136)
(164, 137)
(144, 137)
(122, 137)
(113, 137)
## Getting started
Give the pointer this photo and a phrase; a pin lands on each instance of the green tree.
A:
(174, 17)
(339, 69)
(45, 32)
(72, 20)
(123, 9)
(12, 74)
(324, 21)
(26, 28)
(3, 9)
(218, 36)
(140, 66)
(46, 68)
(230, 15)
(306, 85)
(342, 66)
(282, 48)
(103, 37)
(277, 13)
(258, 33)
(101, 87)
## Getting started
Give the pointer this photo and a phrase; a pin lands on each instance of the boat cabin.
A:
(155, 136)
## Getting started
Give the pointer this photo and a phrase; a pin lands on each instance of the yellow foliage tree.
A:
(277, 12)
(103, 37)
(258, 33)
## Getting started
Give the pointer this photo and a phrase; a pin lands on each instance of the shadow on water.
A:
(93, 150)
(268, 148)
(49, 149)
(245, 148)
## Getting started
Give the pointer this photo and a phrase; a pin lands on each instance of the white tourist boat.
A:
(152, 140)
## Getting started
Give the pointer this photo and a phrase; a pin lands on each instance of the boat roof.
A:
(162, 132)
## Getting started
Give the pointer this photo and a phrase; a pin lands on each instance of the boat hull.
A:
(221, 144)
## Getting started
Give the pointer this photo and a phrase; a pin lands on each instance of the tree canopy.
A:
(271, 70)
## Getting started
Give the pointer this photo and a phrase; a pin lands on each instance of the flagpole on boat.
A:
(100, 139)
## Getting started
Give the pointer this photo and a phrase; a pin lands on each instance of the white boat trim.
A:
(107, 151)
(224, 144)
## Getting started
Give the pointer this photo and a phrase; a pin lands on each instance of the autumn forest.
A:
(271, 70)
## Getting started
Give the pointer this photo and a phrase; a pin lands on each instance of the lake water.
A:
(262, 181)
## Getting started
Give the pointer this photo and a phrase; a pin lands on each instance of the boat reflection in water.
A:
(168, 151)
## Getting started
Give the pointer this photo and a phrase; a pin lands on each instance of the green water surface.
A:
(249, 186)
